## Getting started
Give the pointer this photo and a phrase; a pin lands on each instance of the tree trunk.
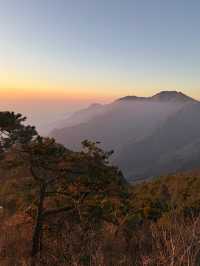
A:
(37, 233)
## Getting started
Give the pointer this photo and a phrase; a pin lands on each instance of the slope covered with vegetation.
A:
(60, 207)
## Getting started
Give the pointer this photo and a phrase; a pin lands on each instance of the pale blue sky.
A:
(125, 46)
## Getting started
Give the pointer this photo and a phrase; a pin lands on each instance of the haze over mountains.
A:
(150, 135)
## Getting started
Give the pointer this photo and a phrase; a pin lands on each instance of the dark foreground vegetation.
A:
(60, 207)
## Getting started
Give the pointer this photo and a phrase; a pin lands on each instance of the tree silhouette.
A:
(81, 184)
(13, 131)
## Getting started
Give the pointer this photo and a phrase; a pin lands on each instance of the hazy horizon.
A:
(57, 57)
(43, 113)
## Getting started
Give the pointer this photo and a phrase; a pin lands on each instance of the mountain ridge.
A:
(161, 96)
(124, 123)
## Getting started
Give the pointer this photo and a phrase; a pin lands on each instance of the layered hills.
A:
(150, 135)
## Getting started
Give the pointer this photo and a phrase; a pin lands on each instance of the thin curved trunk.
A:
(37, 233)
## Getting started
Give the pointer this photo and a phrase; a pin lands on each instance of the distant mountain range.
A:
(150, 135)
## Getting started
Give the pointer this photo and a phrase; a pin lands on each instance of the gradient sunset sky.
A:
(85, 50)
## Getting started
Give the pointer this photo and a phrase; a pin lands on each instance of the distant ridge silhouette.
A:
(150, 135)
(161, 96)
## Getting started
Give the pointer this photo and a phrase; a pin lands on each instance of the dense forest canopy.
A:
(60, 207)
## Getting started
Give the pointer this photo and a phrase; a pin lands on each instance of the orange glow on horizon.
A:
(72, 94)
(31, 87)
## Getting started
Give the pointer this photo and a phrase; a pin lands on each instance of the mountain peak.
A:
(175, 96)
(163, 96)
(131, 98)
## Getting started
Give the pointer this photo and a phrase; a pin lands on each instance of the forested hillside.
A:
(60, 207)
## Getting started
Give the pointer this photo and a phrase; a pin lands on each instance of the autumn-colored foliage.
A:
(60, 207)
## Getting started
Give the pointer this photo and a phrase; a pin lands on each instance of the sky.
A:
(58, 55)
